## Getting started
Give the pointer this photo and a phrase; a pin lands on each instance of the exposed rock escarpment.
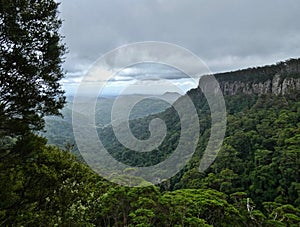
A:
(281, 78)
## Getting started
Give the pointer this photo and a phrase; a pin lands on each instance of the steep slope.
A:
(281, 78)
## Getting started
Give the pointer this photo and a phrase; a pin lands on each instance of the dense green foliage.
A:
(253, 182)
(30, 69)
(45, 186)
(140, 129)
(259, 158)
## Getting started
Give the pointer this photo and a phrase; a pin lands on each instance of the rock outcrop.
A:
(276, 85)
(279, 79)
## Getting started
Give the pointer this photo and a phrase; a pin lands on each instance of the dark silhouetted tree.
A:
(30, 70)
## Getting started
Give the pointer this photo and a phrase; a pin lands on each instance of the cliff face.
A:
(276, 85)
(279, 79)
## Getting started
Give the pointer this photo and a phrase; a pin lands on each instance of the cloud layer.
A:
(227, 35)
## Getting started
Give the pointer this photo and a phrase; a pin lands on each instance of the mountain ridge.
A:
(279, 79)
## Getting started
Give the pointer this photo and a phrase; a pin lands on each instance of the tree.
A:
(49, 188)
(192, 207)
(31, 56)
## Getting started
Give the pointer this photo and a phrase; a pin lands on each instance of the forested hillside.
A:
(59, 131)
(259, 159)
(253, 182)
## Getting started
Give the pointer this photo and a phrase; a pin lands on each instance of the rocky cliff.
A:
(280, 78)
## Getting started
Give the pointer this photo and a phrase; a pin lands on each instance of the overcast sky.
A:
(225, 34)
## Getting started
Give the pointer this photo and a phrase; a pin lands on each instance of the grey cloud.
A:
(149, 71)
(226, 34)
(75, 74)
(151, 76)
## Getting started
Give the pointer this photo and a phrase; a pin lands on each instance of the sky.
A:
(226, 35)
